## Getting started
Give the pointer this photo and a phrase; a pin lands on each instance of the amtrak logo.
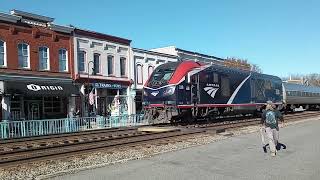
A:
(211, 91)
(155, 93)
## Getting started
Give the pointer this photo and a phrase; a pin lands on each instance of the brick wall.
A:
(35, 36)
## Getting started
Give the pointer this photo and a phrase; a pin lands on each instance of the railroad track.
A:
(81, 133)
(13, 152)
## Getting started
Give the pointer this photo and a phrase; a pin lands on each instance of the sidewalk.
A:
(234, 158)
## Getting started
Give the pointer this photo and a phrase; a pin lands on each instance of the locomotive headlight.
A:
(169, 91)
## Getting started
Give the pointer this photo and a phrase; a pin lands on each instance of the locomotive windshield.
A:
(162, 75)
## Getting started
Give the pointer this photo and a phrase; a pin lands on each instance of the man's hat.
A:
(270, 104)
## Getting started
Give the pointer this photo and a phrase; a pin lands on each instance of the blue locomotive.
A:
(188, 90)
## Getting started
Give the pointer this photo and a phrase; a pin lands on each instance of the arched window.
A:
(24, 55)
(96, 62)
(123, 63)
(110, 65)
(3, 56)
(139, 74)
(63, 60)
(150, 70)
(81, 61)
(44, 58)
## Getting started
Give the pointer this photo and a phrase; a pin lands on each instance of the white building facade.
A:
(188, 55)
(102, 64)
(143, 63)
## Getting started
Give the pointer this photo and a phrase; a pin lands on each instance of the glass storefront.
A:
(37, 100)
(28, 107)
(112, 102)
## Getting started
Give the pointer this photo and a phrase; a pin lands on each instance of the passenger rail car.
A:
(296, 95)
(188, 90)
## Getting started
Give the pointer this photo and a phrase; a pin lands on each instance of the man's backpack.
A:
(271, 119)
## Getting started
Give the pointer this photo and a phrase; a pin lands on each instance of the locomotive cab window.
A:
(193, 79)
(161, 76)
(267, 84)
(253, 88)
(215, 78)
(212, 78)
(204, 77)
(225, 86)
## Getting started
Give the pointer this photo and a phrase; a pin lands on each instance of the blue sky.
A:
(282, 37)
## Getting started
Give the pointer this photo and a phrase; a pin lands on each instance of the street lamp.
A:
(88, 83)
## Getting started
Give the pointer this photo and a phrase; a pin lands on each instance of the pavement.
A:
(237, 158)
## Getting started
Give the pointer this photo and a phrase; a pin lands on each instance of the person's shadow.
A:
(278, 147)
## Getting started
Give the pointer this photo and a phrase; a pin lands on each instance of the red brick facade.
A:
(35, 36)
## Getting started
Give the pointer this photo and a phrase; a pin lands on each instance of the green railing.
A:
(29, 128)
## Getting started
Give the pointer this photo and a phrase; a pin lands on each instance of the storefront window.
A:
(123, 91)
(15, 107)
(117, 102)
(52, 104)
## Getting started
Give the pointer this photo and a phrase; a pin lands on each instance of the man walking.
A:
(270, 118)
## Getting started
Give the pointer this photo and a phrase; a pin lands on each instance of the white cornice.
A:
(60, 28)
(9, 17)
(31, 15)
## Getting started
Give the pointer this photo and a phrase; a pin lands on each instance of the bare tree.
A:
(242, 64)
(256, 68)
(312, 79)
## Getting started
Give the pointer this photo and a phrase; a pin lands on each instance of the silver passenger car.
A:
(296, 95)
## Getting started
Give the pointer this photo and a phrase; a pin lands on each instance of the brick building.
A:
(36, 67)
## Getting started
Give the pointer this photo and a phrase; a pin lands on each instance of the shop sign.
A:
(107, 86)
(35, 87)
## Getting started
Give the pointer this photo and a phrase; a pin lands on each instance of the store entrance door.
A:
(33, 109)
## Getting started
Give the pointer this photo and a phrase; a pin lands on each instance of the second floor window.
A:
(96, 63)
(23, 55)
(110, 65)
(139, 74)
(63, 61)
(150, 70)
(123, 63)
(2, 53)
(81, 61)
(43, 58)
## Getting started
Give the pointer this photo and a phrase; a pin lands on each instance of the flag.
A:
(91, 97)
(82, 89)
